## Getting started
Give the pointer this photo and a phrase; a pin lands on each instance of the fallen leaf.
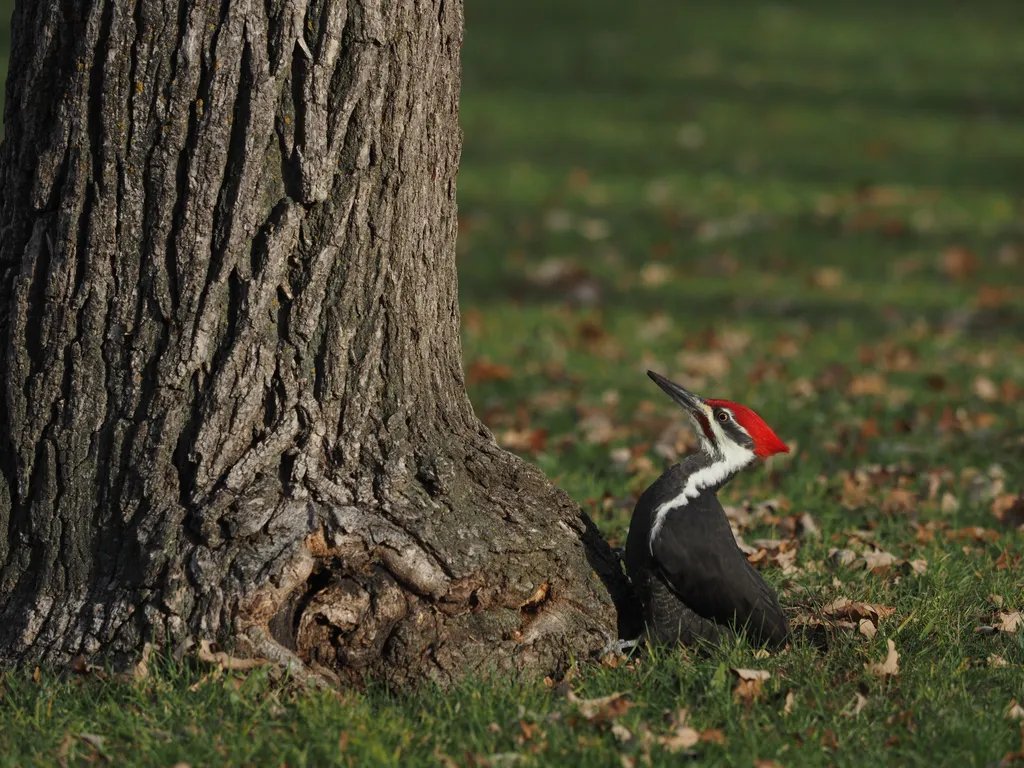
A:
(899, 500)
(975, 532)
(594, 229)
(878, 561)
(788, 707)
(829, 740)
(856, 706)
(444, 759)
(525, 440)
(844, 608)
(539, 596)
(959, 262)
(841, 557)
(828, 278)
(64, 748)
(1008, 509)
(807, 527)
(867, 384)
(986, 389)
(682, 736)
(601, 709)
(140, 671)
(621, 732)
(888, 667)
(713, 363)
(226, 661)
(713, 736)
(867, 628)
(655, 274)
(482, 370)
(1015, 711)
(995, 660)
(949, 503)
(1009, 622)
(94, 741)
(918, 566)
(749, 684)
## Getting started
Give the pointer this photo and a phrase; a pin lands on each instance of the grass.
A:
(775, 204)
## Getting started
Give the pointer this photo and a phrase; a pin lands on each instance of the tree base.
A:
(488, 569)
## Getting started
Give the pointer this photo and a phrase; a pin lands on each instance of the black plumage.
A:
(692, 578)
(694, 582)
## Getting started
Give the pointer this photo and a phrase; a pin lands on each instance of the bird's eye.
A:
(723, 416)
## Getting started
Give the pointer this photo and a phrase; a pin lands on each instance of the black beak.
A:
(691, 402)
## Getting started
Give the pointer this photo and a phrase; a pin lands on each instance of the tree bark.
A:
(234, 406)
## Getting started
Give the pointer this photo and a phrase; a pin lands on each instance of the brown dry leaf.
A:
(483, 370)
(749, 685)
(654, 274)
(64, 748)
(621, 732)
(855, 707)
(828, 278)
(949, 503)
(959, 262)
(140, 671)
(986, 389)
(443, 759)
(713, 364)
(867, 384)
(841, 557)
(1008, 509)
(539, 596)
(974, 532)
(601, 709)
(867, 628)
(889, 667)
(787, 708)
(1009, 622)
(807, 528)
(878, 561)
(918, 566)
(713, 736)
(995, 660)
(844, 608)
(94, 741)
(225, 661)
(1015, 711)
(899, 500)
(682, 736)
(525, 440)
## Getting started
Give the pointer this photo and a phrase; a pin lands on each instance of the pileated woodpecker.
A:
(694, 582)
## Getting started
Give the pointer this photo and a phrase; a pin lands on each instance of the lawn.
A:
(813, 209)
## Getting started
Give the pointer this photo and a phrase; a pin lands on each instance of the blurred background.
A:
(815, 209)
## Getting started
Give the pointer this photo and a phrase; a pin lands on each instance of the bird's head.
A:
(729, 432)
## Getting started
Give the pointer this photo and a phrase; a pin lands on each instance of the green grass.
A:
(781, 140)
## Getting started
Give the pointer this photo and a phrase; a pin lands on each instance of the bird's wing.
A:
(698, 557)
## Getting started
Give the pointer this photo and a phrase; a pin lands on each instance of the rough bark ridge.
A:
(233, 395)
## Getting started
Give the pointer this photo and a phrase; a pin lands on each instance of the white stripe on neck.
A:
(729, 460)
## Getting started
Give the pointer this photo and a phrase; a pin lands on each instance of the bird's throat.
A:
(704, 472)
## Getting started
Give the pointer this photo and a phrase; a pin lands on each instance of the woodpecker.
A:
(691, 577)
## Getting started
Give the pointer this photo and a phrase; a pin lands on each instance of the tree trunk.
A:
(234, 406)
